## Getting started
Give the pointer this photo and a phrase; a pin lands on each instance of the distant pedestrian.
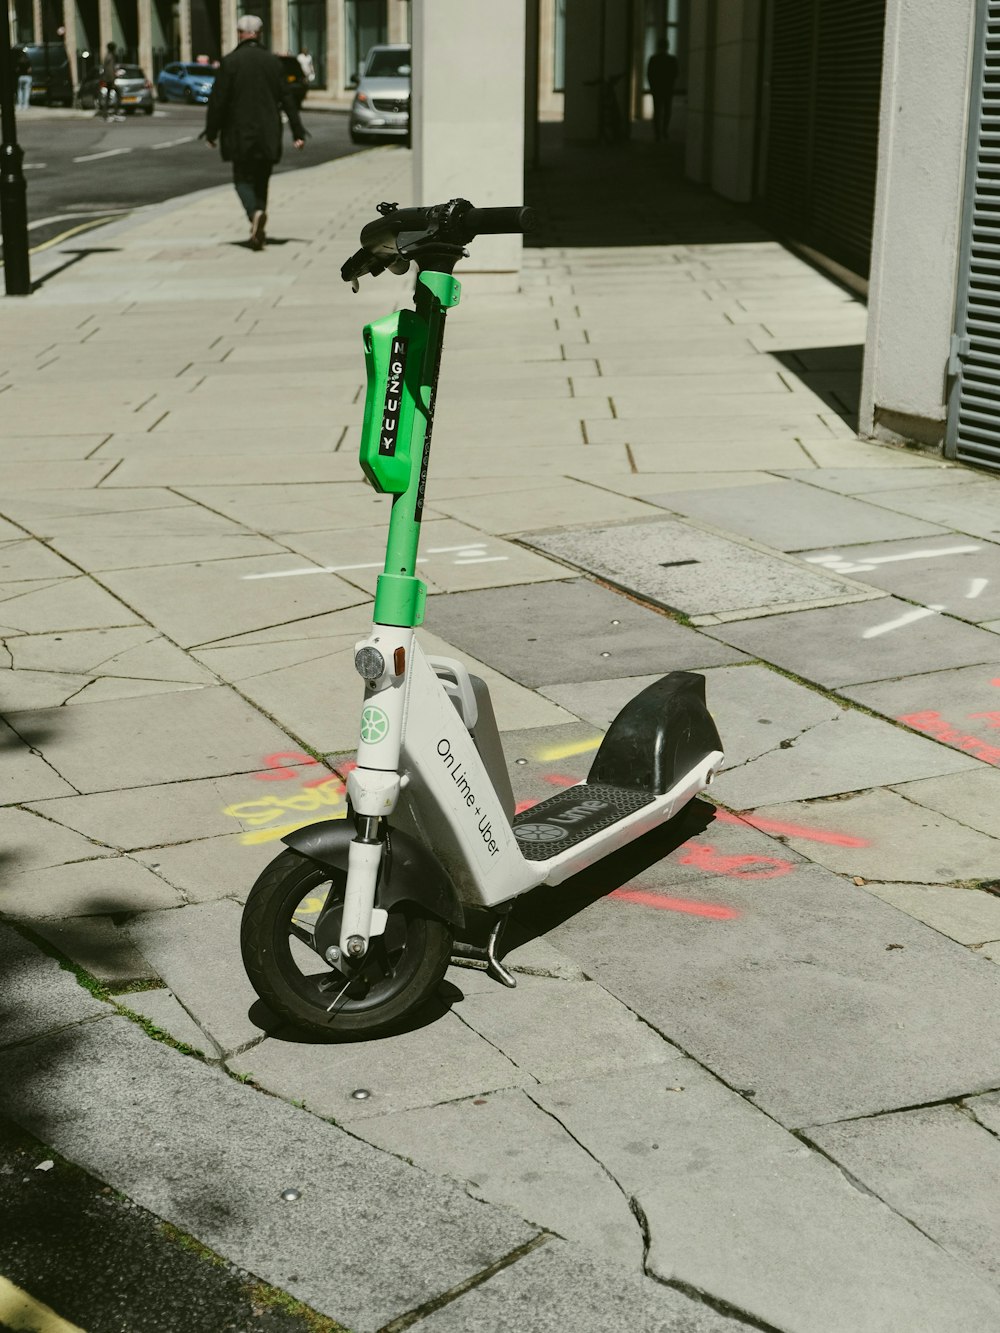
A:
(23, 79)
(661, 75)
(244, 107)
(306, 62)
(109, 75)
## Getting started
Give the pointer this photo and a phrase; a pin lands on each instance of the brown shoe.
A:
(257, 225)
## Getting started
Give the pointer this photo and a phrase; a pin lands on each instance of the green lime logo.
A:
(374, 725)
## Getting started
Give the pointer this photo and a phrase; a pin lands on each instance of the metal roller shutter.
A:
(821, 153)
(974, 407)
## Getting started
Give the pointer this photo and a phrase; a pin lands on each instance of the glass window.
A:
(388, 64)
(307, 32)
(365, 26)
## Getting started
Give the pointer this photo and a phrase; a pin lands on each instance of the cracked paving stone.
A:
(508, 1151)
(38, 995)
(737, 1207)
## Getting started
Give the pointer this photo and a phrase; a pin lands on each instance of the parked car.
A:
(135, 92)
(51, 83)
(381, 108)
(185, 83)
(295, 78)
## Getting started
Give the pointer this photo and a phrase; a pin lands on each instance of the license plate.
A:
(130, 99)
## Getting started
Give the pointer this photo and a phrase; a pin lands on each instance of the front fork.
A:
(373, 787)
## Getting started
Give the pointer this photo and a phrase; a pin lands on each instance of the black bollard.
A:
(13, 191)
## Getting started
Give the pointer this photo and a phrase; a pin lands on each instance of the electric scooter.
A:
(352, 927)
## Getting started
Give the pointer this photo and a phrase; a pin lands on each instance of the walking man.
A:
(244, 107)
(661, 75)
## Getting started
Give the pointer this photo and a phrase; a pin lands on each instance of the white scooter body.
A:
(418, 764)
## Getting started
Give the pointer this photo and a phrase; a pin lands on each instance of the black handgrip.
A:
(359, 264)
(497, 221)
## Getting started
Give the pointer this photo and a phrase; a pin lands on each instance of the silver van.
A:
(381, 108)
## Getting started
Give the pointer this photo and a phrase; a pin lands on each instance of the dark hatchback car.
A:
(51, 83)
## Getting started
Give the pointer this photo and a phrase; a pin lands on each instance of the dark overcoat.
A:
(245, 105)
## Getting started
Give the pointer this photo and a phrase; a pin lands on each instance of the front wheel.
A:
(399, 973)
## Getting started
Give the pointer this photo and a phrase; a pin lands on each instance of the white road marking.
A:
(172, 143)
(467, 546)
(840, 564)
(977, 586)
(33, 166)
(471, 554)
(108, 152)
(907, 618)
(480, 560)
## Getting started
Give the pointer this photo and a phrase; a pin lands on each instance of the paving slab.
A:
(553, 1029)
(971, 798)
(37, 508)
(25, 558)
(137, 652)
(782, 741)
(197, 603)
(848, 645)
(152, 537)
(935, 1166)
(106, 1097)
(506, 1150)
(97, 945)
(163, 1009)
(891, 472)
(69, 604)
(38, 689)
(792, 517)
(970, 916)
(175, 812)
(196, 950)
(555, 1287)
(684, 568)
(103, 886)
(970, 507)
(642, 485)
(570, 502)
(211, 868)
(439, 1061)
(24, 774)
(986, 1110)
(880, 835)
(134, 742)
(170, 468)
(960, 574)
(874, 1028)
(571, 630)
(958, 708)
(284, 508)
(454, 557)
(38, 994)
(737, 1208)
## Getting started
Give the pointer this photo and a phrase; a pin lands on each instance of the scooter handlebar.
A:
(497, 221)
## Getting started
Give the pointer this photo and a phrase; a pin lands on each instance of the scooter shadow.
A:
(430, 1012)
(541, 910)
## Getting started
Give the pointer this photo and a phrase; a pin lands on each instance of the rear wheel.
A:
(400, 971)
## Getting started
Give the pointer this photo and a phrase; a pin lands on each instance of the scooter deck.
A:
(569, 817)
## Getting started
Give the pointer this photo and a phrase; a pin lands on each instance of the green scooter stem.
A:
(400, 596)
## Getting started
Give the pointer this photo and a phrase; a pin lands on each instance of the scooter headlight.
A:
(369, 663)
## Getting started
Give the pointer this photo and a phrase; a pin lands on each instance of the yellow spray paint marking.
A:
(325, 800)
(566, 751)
(21, 1312)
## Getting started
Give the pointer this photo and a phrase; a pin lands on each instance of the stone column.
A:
(184, 29)
(227, 24)
(105, 24)
(145, 24)
(69, 24)
(334, 48)
(468, 114)
(279, 27)
(397, 21)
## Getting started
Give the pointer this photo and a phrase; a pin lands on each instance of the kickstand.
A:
(494, 967)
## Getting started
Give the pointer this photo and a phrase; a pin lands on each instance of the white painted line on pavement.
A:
(33, 166)
(172, 143)
(108, 152)
(319, 569)
(907, 618)
(841, 564)
(977, 586)
(19, 1309)
(480, 560)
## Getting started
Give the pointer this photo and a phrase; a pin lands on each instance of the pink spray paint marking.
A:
(792, 830)
(277, 764)
(931, 723)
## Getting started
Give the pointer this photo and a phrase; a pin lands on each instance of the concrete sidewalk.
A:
(754, 1086)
